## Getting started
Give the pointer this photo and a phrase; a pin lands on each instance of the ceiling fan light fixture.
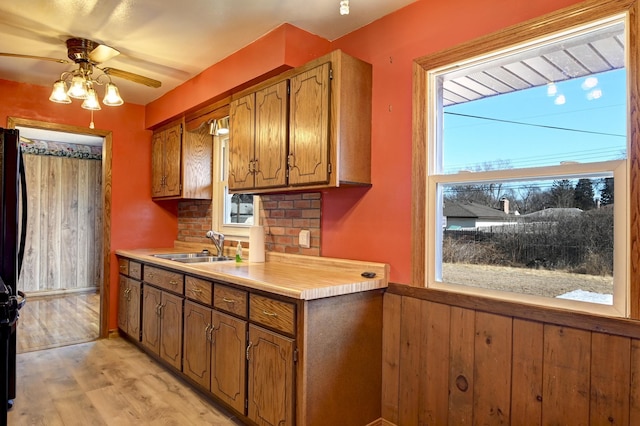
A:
(59, 93)
(78, 88)
(112, 95)
(91, 102)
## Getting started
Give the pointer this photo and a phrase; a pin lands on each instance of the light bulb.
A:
(59, 93)
(344, 7)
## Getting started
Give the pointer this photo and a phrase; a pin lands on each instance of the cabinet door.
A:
(309, 127)
(122, 303)
(241, 142)
(173, 160)
(151, 318)
(171, 329)
(133, 309)
(270, 158)
(271, 371)
(228, 359)
(157, 164)
(197, 350)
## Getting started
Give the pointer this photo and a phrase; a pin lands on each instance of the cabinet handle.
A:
(196, 290)
(224, 299)
(248, 347)
(290, 161)
(173, 282)
(211, 330)
(270, 314)
(206, 331)
(158, 306)
(123, 267)
(149, 274)
(255, 166)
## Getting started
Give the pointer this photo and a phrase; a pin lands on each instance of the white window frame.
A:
(236, 231)
(435, 177)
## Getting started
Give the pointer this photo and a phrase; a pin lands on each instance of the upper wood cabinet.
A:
(258, 141)
(307, 128)
(181, 162)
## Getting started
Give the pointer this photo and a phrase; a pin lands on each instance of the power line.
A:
(544, 126)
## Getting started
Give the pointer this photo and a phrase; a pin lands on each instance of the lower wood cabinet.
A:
(162, 324)
(272, 359)
(214, 353)
(270, 373)
(129, 307)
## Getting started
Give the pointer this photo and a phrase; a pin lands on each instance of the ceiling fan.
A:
(88, 54)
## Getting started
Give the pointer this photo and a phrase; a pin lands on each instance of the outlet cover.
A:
(304, 238)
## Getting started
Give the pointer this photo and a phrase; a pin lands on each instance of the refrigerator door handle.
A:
(23, 197)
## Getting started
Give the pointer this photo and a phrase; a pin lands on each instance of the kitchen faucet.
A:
(218, 241)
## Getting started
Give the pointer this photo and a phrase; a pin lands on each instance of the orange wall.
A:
(367, 223)
(136, 221)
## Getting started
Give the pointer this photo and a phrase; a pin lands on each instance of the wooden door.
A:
(173, 160)
(123, 304)
(197, 350)
(309, 127)
(171, 329)
(241, 142)
(157, 164)
(151, 318)
(197, 157)
(270, 159)
(270, 359)
(228, 364)
(133, 309)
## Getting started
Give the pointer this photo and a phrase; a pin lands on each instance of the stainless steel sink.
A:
(175, 256)
(200, 257)
(205, 259)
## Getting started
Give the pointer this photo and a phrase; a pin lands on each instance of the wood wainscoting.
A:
(456, 359)
(63, 248)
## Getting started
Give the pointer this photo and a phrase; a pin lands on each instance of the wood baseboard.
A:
(113, 334)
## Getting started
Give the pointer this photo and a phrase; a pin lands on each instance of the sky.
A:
(528, 128)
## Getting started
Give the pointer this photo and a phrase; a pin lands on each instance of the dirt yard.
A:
(524, 280)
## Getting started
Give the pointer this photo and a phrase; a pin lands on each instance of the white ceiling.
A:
(168, 40)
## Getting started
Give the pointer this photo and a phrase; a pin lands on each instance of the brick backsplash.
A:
(283, 217)
(194, 220)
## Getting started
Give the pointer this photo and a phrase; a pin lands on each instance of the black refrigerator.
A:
(13, 216)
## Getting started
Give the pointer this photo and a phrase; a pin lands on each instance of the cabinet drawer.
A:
(135, 270)
(198, 290)
(272, 313)
(168, 280)
(123, 266)
(230, 300)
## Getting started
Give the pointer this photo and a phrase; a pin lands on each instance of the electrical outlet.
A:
(304, 238)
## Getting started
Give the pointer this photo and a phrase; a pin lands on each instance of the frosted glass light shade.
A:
(78, 89)
(112, 95)
(59, 93)
(91, 102)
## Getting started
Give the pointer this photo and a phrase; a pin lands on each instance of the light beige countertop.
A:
(296, 276)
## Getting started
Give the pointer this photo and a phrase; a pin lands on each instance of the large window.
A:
(526, 178)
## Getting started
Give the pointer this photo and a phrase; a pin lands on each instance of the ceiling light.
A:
(91, 102)
(344, 7)
(59, 93)
(112, 95)
(81, 85)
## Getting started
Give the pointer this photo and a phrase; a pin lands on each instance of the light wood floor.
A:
(106, 382)
(53, 321)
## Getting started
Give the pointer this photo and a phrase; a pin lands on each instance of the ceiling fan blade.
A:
(136, 78)
(40, 58)
(102, 53)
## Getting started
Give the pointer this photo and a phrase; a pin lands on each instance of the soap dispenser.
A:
(239, 252)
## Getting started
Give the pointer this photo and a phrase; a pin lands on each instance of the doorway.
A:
(93, 305)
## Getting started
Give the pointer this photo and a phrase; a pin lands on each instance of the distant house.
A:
(472, 215)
